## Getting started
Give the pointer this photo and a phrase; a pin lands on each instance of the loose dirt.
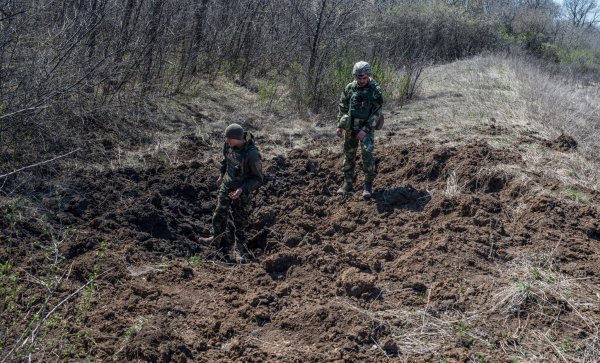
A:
(440, 264)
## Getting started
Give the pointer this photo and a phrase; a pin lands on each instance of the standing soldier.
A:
(241, 174)
(359, 112)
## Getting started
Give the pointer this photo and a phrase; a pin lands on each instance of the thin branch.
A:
(40, 104)
(554, 347)
(379, 346)
(40, 163)
(7, 16)
(23, 110)
(35, 331)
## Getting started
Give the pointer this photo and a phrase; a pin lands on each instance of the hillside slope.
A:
(476, 246)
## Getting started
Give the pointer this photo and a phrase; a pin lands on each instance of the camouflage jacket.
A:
(242, 168)
(360, 107)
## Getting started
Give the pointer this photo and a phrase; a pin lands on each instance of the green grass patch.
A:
(576, 195)
(195, 260)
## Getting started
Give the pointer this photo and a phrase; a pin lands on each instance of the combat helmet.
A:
(234, 131)
(361, 68)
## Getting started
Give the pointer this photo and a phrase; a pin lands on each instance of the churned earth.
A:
(461, 255)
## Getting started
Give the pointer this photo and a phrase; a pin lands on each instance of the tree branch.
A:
(19, 111)
(40, 163)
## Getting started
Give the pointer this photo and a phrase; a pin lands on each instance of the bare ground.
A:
(457, 256)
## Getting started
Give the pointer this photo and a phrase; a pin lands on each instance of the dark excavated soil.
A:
(332, 278)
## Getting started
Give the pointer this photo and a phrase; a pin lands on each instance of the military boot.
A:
(368, 189)
(345, 188)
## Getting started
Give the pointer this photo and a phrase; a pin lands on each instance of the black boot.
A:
(368, 189)
(345, 188)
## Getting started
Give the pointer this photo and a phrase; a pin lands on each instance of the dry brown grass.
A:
(417, 332)
(538, 290)
(528, 290)
(510, 103)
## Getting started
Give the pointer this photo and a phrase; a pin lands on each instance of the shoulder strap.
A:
(244, 153)
(373, 85)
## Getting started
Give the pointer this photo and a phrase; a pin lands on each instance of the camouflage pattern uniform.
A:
(359, 109)
(241, 169)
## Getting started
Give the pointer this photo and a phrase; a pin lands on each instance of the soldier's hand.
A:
(339, 132)
(235, 194)
(361, 135)
(219, 181)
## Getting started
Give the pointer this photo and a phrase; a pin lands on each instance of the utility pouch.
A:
(358, 123)
(345, 122)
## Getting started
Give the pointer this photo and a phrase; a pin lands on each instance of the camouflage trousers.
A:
(367, 148)
(236, 213)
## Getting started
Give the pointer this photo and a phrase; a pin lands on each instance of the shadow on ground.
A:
(401, 198)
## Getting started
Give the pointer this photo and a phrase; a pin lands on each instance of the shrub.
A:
(437, 31)
(579, 60)
(268, 92)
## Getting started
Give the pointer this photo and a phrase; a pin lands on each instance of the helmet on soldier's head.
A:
(234, 131)
(361, 68)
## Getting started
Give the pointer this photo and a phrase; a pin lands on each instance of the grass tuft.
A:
(576, 195)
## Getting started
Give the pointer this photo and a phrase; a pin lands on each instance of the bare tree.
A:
(154, 24)
(200, 9)
(323, 23)
(582, 12)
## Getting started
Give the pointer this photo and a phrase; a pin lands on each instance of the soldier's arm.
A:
(223, 167)
(343, 107)
(376, 109)
(255, 177)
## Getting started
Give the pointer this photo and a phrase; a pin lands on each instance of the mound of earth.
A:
(562, 143)
(420, 272)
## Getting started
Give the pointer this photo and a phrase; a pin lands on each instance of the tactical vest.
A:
(360, 100)
(237, 164)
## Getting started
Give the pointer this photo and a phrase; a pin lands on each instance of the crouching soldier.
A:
(241, 174)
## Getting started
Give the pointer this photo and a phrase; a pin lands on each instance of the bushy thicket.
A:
(432, 32)
(568, 46)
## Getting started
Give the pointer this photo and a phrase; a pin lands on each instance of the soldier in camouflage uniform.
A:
(359, 111)
(241, 174)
